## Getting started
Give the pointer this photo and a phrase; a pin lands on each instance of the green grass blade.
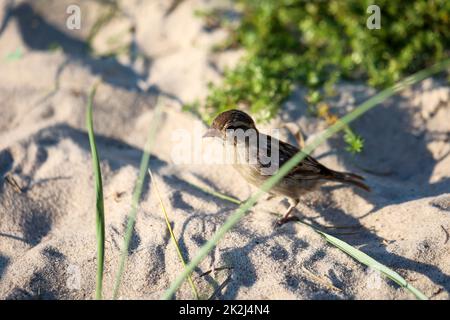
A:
(356, 254)
(99, 214)
(215, 194)
(289, 165)
(172, 235)
(372, 263)
(136, 197)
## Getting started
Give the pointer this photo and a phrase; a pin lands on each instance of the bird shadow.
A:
(237, 259)
(396, 160)
(397, 165)
(244, 273)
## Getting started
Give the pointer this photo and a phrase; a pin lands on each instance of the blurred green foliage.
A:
(317, 43)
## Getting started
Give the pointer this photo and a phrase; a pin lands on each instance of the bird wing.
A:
(308, 168)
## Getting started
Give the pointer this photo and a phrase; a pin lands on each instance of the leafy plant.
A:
(316, 44)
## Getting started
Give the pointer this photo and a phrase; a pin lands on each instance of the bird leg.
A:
(285, 218)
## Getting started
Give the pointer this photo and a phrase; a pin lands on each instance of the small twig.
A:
(447, 236)
(10, 179)
(438, 291)
(220, 288)
(326, 283)
(215, 269)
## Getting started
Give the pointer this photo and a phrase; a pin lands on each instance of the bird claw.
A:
(282, 221)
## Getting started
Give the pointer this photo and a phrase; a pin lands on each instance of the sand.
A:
(47, 215)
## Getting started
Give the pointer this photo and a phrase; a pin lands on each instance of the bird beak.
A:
(211, 132)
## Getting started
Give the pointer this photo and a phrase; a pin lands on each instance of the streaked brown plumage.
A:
(307, 176)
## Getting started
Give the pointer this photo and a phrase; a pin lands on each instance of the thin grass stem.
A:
(136, 197)
(172, 235)
(99, 212)
(215, 194)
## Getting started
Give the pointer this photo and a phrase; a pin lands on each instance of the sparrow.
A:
(257, 157)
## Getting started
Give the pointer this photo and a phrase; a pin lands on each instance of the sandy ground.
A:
(47, 233)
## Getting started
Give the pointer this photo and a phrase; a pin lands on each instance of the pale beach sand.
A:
(47, 217)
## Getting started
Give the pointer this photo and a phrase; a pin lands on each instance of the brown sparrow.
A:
(257, 156)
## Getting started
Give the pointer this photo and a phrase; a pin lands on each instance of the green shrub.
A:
(315, 44)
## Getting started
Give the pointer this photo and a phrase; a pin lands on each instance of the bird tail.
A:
(350, 178)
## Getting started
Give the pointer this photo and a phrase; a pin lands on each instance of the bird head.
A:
(230, 121)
